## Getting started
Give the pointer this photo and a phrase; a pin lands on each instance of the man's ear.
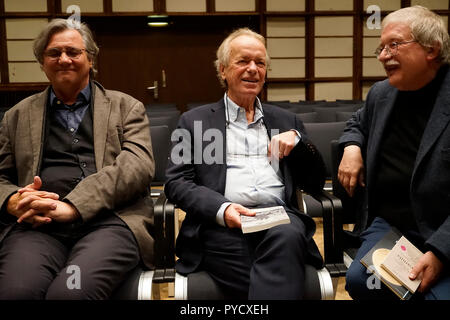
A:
(433, 52)
(222, 72)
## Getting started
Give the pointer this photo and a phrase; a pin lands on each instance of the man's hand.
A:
(36, 185)
(430, 267)
(282, 143)
(56, 210)
(35, 217)
(232, 215)
(351, 169)
(19, 203)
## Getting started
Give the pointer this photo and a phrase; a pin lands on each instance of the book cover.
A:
(400, 261)
(376, 256)
(265, 218)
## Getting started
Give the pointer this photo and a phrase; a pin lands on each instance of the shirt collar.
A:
(84, 96)
(234, 112)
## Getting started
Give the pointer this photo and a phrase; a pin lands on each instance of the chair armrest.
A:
(332, 232)
(323, 198)
(164, 220)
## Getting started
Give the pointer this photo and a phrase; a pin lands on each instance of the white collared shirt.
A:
(251, 180)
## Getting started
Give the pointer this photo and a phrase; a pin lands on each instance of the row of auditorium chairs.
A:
(317, 111)
(320, 111)
(281, 103)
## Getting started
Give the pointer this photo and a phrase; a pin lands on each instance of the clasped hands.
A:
(38, 207)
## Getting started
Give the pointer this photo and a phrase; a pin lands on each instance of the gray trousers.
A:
(87, 264)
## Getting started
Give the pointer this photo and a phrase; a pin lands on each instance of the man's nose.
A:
(252, 66)
(64, 58)
(384, 55)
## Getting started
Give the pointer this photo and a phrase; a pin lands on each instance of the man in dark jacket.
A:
(398, 148)
(240, 154)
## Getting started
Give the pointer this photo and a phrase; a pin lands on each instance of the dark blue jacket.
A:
(430, 183)
(198, 189)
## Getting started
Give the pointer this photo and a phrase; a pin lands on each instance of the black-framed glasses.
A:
(391, 48)
(71, 52)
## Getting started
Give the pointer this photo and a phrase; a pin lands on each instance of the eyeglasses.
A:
(391, 48)
(71, 52)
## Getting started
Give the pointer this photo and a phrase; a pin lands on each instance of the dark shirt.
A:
(68, 152)
(70, 116)
(399, 147)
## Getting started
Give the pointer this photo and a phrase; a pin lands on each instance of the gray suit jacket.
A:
(123, 158)
(430, 183)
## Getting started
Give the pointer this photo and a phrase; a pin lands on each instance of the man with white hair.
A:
(268, 264)
(397, 147)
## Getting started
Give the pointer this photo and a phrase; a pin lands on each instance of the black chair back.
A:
(343, 115)
(169, 121)
(328, 114)
(307, 117)
(321, 135)
(162, 106)
(161, 146)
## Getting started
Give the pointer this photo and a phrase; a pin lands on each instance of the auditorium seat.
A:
(200, 286)
(307, 117)
(343, 115)
(169, 121)
(342, 249)
(321, 135)
(192, 105)
(143, 284)
(328, 114)
(161, 144)
(161, 106)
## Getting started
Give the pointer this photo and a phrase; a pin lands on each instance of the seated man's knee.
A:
(18, 291)
(79, 286)
(356, 280)
(290, 235)
(62, 291)
(362, 284)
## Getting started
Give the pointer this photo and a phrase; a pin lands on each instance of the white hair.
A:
(223, 53)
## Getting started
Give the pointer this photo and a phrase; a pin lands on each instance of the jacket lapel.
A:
(101, 112)
(268, 121)
(36, 120)
(440, 117)
(217, 120)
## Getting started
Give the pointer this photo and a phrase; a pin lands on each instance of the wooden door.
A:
(133, 56)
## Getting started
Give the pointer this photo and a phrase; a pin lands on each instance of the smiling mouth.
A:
(391, 66)
(250, 81)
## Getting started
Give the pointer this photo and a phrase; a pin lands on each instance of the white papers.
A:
(265, 218)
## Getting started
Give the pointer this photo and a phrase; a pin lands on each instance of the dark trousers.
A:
(88, 264)
(269, 264)
(357, 276)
